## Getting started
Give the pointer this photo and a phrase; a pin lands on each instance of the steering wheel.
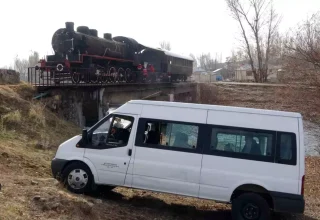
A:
(113, 133)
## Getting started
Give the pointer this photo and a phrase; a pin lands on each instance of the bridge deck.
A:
(44, 80)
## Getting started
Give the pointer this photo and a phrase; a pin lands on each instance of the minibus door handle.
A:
(130, 152)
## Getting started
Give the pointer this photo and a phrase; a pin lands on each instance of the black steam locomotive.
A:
(82, 56)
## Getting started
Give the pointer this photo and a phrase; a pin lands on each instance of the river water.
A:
(311, 138)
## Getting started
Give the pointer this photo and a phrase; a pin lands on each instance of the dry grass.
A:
(30, 178)
(305, 100)
(12, 117)
(29, 192)
(36, 115)
(20, 114)
(10, 120)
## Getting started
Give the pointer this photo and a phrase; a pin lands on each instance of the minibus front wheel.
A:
(78, 178)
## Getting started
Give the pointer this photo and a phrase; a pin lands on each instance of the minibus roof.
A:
(217, 108)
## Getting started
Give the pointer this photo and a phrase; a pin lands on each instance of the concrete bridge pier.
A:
(86, 105)
(171, 97)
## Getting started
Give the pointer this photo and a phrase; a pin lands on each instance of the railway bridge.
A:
(86, 103)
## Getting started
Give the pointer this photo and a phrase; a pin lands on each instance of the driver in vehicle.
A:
(117, 123)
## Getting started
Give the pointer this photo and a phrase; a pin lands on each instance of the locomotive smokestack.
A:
(70, 26)
(107, 36)
(93, 32)
(83, 30)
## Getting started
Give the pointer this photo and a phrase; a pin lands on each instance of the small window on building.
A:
(249, 73)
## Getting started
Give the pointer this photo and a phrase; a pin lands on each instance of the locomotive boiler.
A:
(67, 41)
(82, 56)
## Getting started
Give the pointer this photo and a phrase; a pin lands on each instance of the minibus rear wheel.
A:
(250, 206)
(78, 178)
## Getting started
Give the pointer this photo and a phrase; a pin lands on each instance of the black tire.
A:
(77, 166)
(105, 188)
(250, 204)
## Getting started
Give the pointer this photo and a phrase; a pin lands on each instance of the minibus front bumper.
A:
(56, 167)
(290, 203)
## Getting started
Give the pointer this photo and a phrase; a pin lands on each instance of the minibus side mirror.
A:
(85, 135)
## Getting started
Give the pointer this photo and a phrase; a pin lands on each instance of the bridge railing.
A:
(86, 77)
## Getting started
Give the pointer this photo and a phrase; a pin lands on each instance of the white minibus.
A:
(251, 158)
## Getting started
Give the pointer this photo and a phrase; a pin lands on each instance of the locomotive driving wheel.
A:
(94, 77)
(104, 77)
(128, 75)
(75, 77)
(121, 74)
(113, 74)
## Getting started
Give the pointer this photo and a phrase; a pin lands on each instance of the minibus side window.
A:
(286, 148)
(242, 143)
(229, 142)
(180, 135)
(168, 135)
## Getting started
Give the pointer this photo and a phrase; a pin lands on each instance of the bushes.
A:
(11, 119)
(29, 120)
(16, 120)
(36, 115)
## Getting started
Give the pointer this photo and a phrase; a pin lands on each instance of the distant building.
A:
(199, 70)
(244, 73)
(8, 76)
(217, 74)
(201, 75)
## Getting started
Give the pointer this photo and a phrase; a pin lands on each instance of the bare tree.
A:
(207, 62)
(276, 55)
(6, 67)
(259, 21)
(165, 45)
(233, 62)
(195, 62)
(33, 58)
(303, 43)
(21, 65)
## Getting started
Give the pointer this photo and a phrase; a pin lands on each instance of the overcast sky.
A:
(190, 26)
